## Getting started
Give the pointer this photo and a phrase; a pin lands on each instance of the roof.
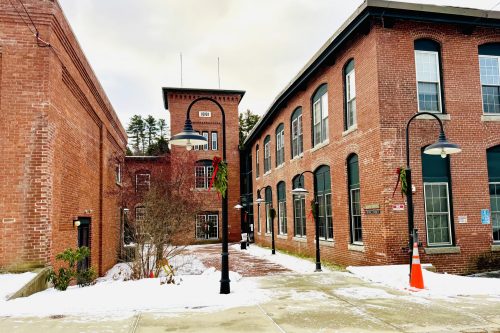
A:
(466, 17)
(166, 90)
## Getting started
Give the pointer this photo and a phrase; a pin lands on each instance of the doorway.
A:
(84, 240)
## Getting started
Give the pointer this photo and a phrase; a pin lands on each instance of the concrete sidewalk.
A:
(324, 302)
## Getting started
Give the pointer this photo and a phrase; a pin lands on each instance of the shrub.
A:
(488, 261)
(62, 279)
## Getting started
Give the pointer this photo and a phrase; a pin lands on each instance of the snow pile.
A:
(119, 272)
(187, 265)
(396, 276)
(118, 298)
(10, 283)
(292, 263)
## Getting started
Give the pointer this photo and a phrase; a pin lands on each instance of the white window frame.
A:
(207, 170)
(356, 242)
(257, 164)
(267, 157)
(297, 150)
(300, 201)
(197, 147)
(148, 181)
(268, 217)
(205, 134)
(350, 79)
(322, 101)
(449, 214)
(142, 214)
(491, 210)
(280, 148)
(440, 100)
(118, 174)
(282, 218)
(215, 141)
(497, 58)
(200, 225)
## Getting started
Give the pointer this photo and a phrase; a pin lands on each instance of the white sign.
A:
(462, 219)
(205, 114)
(398, 207)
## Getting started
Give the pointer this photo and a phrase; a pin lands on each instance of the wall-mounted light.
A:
(125, 210)
(76, 223)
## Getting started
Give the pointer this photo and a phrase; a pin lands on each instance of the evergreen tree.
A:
(151, 129)
(247, 121)
(162, 127)
(136, 129)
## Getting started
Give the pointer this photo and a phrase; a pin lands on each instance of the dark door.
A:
(84, 240)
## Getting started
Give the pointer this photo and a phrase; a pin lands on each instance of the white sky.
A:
(134, 46)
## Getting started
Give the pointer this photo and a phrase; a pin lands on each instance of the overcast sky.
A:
(134, 46)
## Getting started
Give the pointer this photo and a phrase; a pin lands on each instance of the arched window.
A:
(320, 115)
(299, 208)
(203, 171)
(437, 194)
(296, 130)
(428, 67)
(493, 158)
(257, 163)
(280, 144)
(354, 199)
(269, 205)
(323, 194)
(489, 65)
(282, 227)
(267, 154)
(350, 95)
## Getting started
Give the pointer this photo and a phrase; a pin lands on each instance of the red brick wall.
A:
(386, 99)
(178, 103)
(61, 138)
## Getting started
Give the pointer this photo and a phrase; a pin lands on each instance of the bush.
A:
(62, 279)
(488, 261)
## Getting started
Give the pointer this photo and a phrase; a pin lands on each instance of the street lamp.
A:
(443, 148)
(302, 192)
(189, 138)
(258, 201)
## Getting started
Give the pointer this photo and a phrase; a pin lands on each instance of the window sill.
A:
(267, 234)
(283, 236)
(300, 239)
(280, 166)
(495, 247)
(351, 129)
(442, 250)
(320, 145)
(329, 243)
(490, 117)
(119, 184)
(356, 247)
(267, 173)
(298, 157)
(442, 116)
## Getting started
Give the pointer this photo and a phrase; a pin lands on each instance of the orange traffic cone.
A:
(416, 278)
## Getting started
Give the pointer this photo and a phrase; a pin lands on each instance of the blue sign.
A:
(485, 216)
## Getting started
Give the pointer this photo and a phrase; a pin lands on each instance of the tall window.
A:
(196, 147)
(267, 154)
(257, 163)
(320, 115)
(299, 209)
(493, 157)
(142, 182)
(350, 94)
(297, 140)
(282, 227)
(207, 226)
(205, 146)
(489, 55)
(269, 205)
(354, 199)
(203, 171)
(322, 187)
(140, 213)
(427, 62)
(435, 171)
(280, 145)
(118, 173)
(215, 141)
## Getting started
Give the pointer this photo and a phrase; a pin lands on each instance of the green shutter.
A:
(322, 181)
(281, 191)
(353, 171)
(269, 195)
(493, 158)
(435, 168)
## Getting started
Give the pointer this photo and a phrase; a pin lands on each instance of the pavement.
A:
(319, 302)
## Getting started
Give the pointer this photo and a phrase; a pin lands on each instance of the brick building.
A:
(207, 120)
(61, 144)
(343, 117)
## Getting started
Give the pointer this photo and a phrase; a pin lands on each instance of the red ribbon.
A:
(215, 164)
(398, 171)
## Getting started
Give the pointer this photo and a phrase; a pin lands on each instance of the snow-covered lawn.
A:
(112, 296)
(436, 285)
(10, 283)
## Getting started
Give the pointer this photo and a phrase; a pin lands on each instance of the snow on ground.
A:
(118, 298)
(10, 283)
(292, 263)
(437, 285)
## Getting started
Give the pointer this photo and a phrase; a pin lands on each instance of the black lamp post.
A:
(443, 148)
(302, 191)
(258, 201)
(189, 138)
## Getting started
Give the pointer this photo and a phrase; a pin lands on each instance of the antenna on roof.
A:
(218, 70)
(181, 68)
